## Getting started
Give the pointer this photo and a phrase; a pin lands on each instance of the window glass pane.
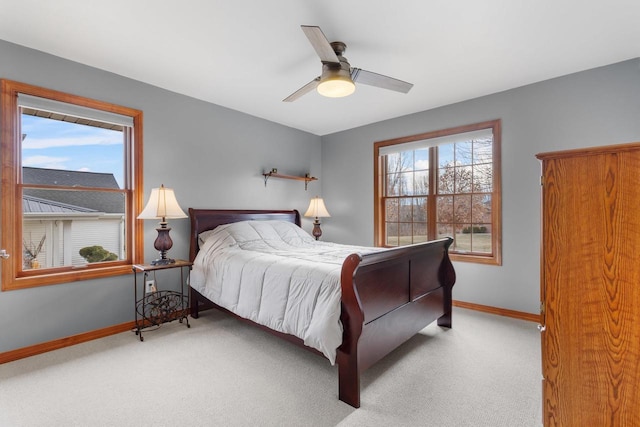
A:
(420, 209)
(463, 237)
(406, 183)
(483, 151)
(445, 155)
(444, 208)
(481, 208)
(400, 162)
(393, 184)
(482, 178)
(392, 233)
(405, 231)
(463, 177)
(446, 180)
(421, 183)
(421, 159)
(58, 224)
(462, 208)
(406, 161)
(393, 162)
(420, 232)
(481, 238)
(65, 146)
(391, 210)
(406, 210)
(463, 153)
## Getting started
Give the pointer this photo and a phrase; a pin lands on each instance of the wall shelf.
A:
(273, 174)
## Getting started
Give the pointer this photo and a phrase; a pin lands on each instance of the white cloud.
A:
(39, 143)
(47, 162)
(422, 164)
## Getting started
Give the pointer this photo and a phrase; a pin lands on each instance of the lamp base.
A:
(163, 243)
(317, 231)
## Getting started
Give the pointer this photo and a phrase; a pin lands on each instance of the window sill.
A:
(68, 276)
(477, 259)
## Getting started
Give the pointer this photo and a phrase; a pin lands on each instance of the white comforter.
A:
(277, 275)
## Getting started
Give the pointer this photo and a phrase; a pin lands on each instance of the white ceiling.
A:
(248, 55)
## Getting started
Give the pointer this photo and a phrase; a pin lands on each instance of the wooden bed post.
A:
(194, 303)
(349, 381)
(352, 319)
(447, 277)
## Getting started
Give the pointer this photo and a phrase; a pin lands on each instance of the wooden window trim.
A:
(378, 185)
(11, 210)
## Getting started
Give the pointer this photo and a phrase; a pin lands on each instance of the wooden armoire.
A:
(590, 286)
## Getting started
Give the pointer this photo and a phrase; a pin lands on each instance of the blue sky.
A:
(54, 144)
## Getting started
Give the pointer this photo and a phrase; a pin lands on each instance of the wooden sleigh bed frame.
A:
(387, 296)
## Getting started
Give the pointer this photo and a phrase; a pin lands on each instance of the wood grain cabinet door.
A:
(590, 287)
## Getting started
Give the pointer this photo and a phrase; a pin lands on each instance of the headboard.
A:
(208, 219)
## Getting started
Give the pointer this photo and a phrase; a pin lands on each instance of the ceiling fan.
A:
(338, 78)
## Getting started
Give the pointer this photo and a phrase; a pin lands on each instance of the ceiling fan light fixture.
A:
(337, 78)
(336, 84)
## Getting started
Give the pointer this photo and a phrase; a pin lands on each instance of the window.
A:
(71, 187)
(443, 183)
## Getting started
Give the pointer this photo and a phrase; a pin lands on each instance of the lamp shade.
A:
(317, 208)
(336, 82)
(162, 204)
(336, 88)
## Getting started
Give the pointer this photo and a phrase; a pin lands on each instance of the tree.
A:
(97, 254)
(463, 193)
(465, 184)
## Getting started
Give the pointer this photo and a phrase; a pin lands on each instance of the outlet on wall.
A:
(150, 286)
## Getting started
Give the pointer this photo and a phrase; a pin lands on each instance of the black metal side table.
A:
(155, 306)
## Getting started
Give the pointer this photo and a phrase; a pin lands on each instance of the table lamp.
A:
(317, 210)
(162, 205)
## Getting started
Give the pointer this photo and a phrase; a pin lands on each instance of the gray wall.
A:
(591, 108)
(212, 156)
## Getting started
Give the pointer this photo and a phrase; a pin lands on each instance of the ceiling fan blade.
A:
(320, 43)
(373, 79)
(303, 90)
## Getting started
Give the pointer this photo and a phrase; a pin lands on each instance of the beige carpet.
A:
(483, 372)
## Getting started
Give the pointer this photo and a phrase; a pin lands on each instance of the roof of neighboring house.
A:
(89, 200)
(36, 205)
(68, 178)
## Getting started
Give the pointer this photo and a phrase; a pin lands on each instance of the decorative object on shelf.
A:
(274, 173)
(162, 205)
(317, 210)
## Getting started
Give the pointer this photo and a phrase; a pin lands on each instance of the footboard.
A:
(387, 297)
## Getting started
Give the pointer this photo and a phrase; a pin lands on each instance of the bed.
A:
(385, 295)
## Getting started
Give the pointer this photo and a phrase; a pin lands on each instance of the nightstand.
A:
(155, 306)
